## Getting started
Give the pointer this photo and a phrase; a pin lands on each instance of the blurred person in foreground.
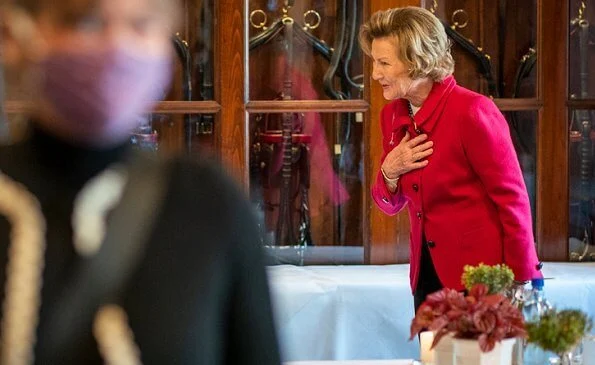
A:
(448, 157)
(109, 255)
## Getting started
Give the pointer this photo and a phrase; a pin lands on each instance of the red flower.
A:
(487, 318)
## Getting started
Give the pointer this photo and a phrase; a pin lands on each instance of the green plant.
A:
(559, 331)
(498, 278)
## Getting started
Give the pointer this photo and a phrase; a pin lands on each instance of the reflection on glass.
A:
(144, 137)
(522, 126)
(581, 50)
(493, 44)
(183, 134)
(308, 44)
(193, 74)
(306, 182)
(581, 185)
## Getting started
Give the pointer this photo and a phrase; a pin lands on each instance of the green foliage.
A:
(497, 278)
(559, 331)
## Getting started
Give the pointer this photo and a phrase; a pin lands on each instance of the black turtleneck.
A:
(200, 294)
(71, 164)
(54, 171)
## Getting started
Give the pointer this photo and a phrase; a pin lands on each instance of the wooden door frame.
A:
(230, 67)
(552, 131)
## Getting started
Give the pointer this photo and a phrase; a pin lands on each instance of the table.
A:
(364, 312)
(355, 362)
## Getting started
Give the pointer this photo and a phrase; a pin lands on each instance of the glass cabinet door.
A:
(494, 44)
(194, 80)
(306, 166)
(305, 50)
(581, 79)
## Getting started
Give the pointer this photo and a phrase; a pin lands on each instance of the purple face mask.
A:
(98, 95)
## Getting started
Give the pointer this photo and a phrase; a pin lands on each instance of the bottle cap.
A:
(537, 283)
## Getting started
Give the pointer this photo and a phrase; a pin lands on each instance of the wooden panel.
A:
(170, 129)
(182, 107)
(229, 90)
(518, 104)
(321, 106)
(388, 237)
(581, 104)
(164, 107)
(552, 145)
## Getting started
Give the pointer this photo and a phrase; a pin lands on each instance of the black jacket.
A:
(200, 293)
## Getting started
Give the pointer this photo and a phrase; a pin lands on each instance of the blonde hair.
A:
(422, 41)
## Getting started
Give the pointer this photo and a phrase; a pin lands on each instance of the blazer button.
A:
(431, 244)
(418, 215)
(415, 187)
(418, 131)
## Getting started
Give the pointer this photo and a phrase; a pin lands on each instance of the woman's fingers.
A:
(417, 140)
(423, 154)
(405, 138)
(419, 165)
(422, 147)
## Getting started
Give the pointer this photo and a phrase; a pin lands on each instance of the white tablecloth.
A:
(355, 362)
(364, 312)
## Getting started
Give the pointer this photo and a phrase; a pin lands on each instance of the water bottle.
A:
(534, 307)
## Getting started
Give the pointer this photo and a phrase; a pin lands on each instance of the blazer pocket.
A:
(480, 245)
(473, 238)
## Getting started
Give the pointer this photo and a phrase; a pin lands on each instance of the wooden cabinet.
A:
(241, 88)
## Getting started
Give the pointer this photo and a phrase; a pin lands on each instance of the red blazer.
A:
(470, 201)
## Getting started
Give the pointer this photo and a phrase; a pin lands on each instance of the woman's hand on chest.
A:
(409, 154)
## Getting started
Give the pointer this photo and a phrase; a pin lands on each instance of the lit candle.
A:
(426, 354)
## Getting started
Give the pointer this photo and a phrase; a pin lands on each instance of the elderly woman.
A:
(448, 157)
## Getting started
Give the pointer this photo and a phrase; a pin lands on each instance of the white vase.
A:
(467, 352)
(444, 351)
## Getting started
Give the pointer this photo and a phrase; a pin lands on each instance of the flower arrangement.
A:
(498, 278)
(489, 318)
(559, 331)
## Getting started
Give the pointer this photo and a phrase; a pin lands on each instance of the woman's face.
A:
(98, 73)
(388, 70)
